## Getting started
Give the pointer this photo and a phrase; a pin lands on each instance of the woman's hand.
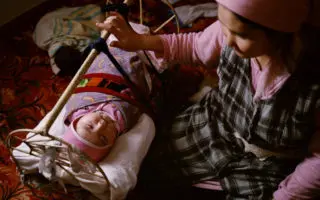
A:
(128, 39)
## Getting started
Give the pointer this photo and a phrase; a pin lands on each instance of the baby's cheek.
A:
(110, 135)
(94, 136)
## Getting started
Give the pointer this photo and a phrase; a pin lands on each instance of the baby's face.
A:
(97, 128)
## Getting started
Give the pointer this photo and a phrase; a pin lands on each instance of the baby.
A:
(93, 129)
(96, 115)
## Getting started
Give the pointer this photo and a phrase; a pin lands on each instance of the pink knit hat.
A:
(280, 15)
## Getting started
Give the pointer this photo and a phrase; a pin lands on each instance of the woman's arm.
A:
(304, 182)
(192, 48)
(201, 48)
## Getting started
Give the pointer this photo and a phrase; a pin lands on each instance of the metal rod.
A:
(164, 23)
(71, 87)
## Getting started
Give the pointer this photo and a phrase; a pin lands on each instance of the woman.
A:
(251, 131)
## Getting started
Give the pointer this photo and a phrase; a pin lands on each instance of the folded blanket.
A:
(189, 13)
(73, 27)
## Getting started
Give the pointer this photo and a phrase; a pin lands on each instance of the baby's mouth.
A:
(104, 139)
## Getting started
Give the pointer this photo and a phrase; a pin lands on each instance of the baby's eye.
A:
(101, 122)
(243, 36)
(90, 126)
(100, 112)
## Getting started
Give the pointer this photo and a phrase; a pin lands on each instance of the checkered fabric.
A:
(202, 140)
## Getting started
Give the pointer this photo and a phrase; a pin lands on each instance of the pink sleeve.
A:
(304, 182)
(201, 48)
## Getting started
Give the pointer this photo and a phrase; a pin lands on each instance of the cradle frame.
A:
(44, 130)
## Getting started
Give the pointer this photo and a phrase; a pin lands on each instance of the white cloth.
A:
(188, 13)
(121, 166)
(171, 1)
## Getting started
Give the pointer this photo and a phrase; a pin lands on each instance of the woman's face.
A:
(245, 40)
(97, 128)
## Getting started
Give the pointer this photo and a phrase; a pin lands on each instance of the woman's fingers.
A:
(127, 37)
(110, 29)
(103, 26)
(113, 24)
(116, 20)
(116, 44)
(112, 13)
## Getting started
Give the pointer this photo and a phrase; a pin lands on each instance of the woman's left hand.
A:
(128, 39)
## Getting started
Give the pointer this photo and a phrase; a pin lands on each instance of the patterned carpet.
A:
(28, 90)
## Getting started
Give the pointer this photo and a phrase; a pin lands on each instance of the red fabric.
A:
(112, 77)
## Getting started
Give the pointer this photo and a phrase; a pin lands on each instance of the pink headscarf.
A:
(280, 15)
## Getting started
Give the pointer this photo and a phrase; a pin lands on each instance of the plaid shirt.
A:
(203, 144)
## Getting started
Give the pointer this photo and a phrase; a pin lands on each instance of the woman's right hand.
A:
(128, 39)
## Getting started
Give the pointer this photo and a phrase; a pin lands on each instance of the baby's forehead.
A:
(94, 114)
(90, 114)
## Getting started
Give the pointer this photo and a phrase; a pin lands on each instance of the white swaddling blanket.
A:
(121, 166)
